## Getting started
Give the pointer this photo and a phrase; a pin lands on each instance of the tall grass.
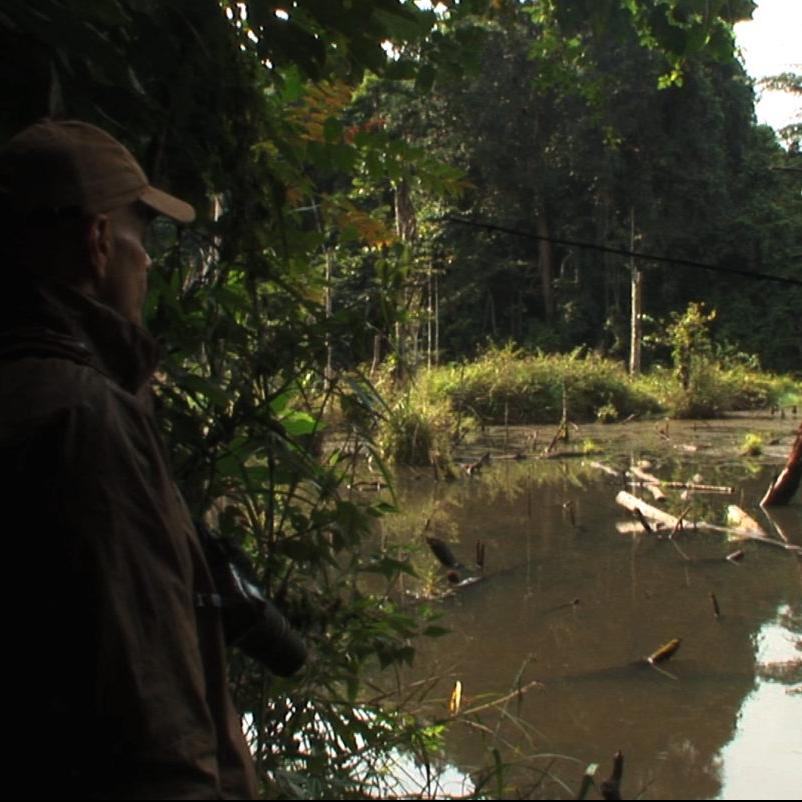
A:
(716, 390)
(509, 386)
(506, 385)
(417, 424)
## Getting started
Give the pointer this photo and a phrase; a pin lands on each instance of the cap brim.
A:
(167, 205)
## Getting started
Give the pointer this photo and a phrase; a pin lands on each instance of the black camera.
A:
(251, 622)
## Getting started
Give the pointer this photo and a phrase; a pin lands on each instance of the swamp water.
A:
(571, 601)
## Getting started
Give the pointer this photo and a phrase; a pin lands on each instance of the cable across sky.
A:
(647, 257)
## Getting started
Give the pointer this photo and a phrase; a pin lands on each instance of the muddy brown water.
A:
(574, 603)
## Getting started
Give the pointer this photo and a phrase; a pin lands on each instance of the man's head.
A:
(74, 207)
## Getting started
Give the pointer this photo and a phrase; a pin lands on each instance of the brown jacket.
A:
(116, 679)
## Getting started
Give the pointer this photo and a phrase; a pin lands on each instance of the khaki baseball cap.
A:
(55, 165)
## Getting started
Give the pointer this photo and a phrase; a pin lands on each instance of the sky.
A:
(771, 43)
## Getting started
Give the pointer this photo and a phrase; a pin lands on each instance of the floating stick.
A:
(443, 552)
(611, 787)
(665, 652)
(455, 702)
(716, 610)
(480, 555)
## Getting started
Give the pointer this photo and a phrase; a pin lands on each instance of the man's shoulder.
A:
(40, 342)
(38, 385)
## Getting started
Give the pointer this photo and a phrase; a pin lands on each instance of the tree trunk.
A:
(783, 488)
(329, 369)
(546, 261)
(377, 354)
(429, 315)
(406, 222)
(636, 322)
(436, 320)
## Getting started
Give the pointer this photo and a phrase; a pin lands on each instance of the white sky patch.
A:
(428, 5)
(389, 48)
(771, 43)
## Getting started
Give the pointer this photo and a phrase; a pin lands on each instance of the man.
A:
(115, 683)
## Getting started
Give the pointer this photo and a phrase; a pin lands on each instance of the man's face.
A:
(125, 281)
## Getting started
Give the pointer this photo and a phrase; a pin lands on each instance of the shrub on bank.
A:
(508, 386)
(505, 385)
(716, 390)
(752, 389)
(414, 426)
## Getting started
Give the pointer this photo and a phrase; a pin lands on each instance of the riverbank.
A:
(438, 406)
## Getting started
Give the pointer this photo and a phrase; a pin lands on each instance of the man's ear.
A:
(99, 246)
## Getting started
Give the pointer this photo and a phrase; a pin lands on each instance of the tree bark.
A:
(636, 306)
(377, 353)
(546, 260)
(633, 503)
(784, 486)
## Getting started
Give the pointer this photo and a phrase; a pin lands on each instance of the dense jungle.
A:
(417, 224)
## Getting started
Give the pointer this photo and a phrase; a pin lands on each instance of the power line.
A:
(649, 257)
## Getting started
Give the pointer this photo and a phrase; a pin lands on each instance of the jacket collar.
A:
(56, 320)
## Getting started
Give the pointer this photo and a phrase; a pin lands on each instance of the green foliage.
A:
(606, 413)
(755, 389)
(507, 385)
(407, 437)
(417, 424)
(752, 445)
(268, 156)
(691, 345)
(709, 396)
(569, 137)
(718, 389)
(698, 389)
(709, 379)
(677, 32)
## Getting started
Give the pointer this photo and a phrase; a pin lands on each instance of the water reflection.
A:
(549, 528)
(762, 761)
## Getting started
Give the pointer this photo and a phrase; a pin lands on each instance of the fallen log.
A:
(671, 522)
(567, 454)
(785, 485)
(633, 503)
(741, 520)
(375, 485)
(696, 487)
(652, 483)
(749, 534)
(636, 528)
(606, 468)
(699, 488)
